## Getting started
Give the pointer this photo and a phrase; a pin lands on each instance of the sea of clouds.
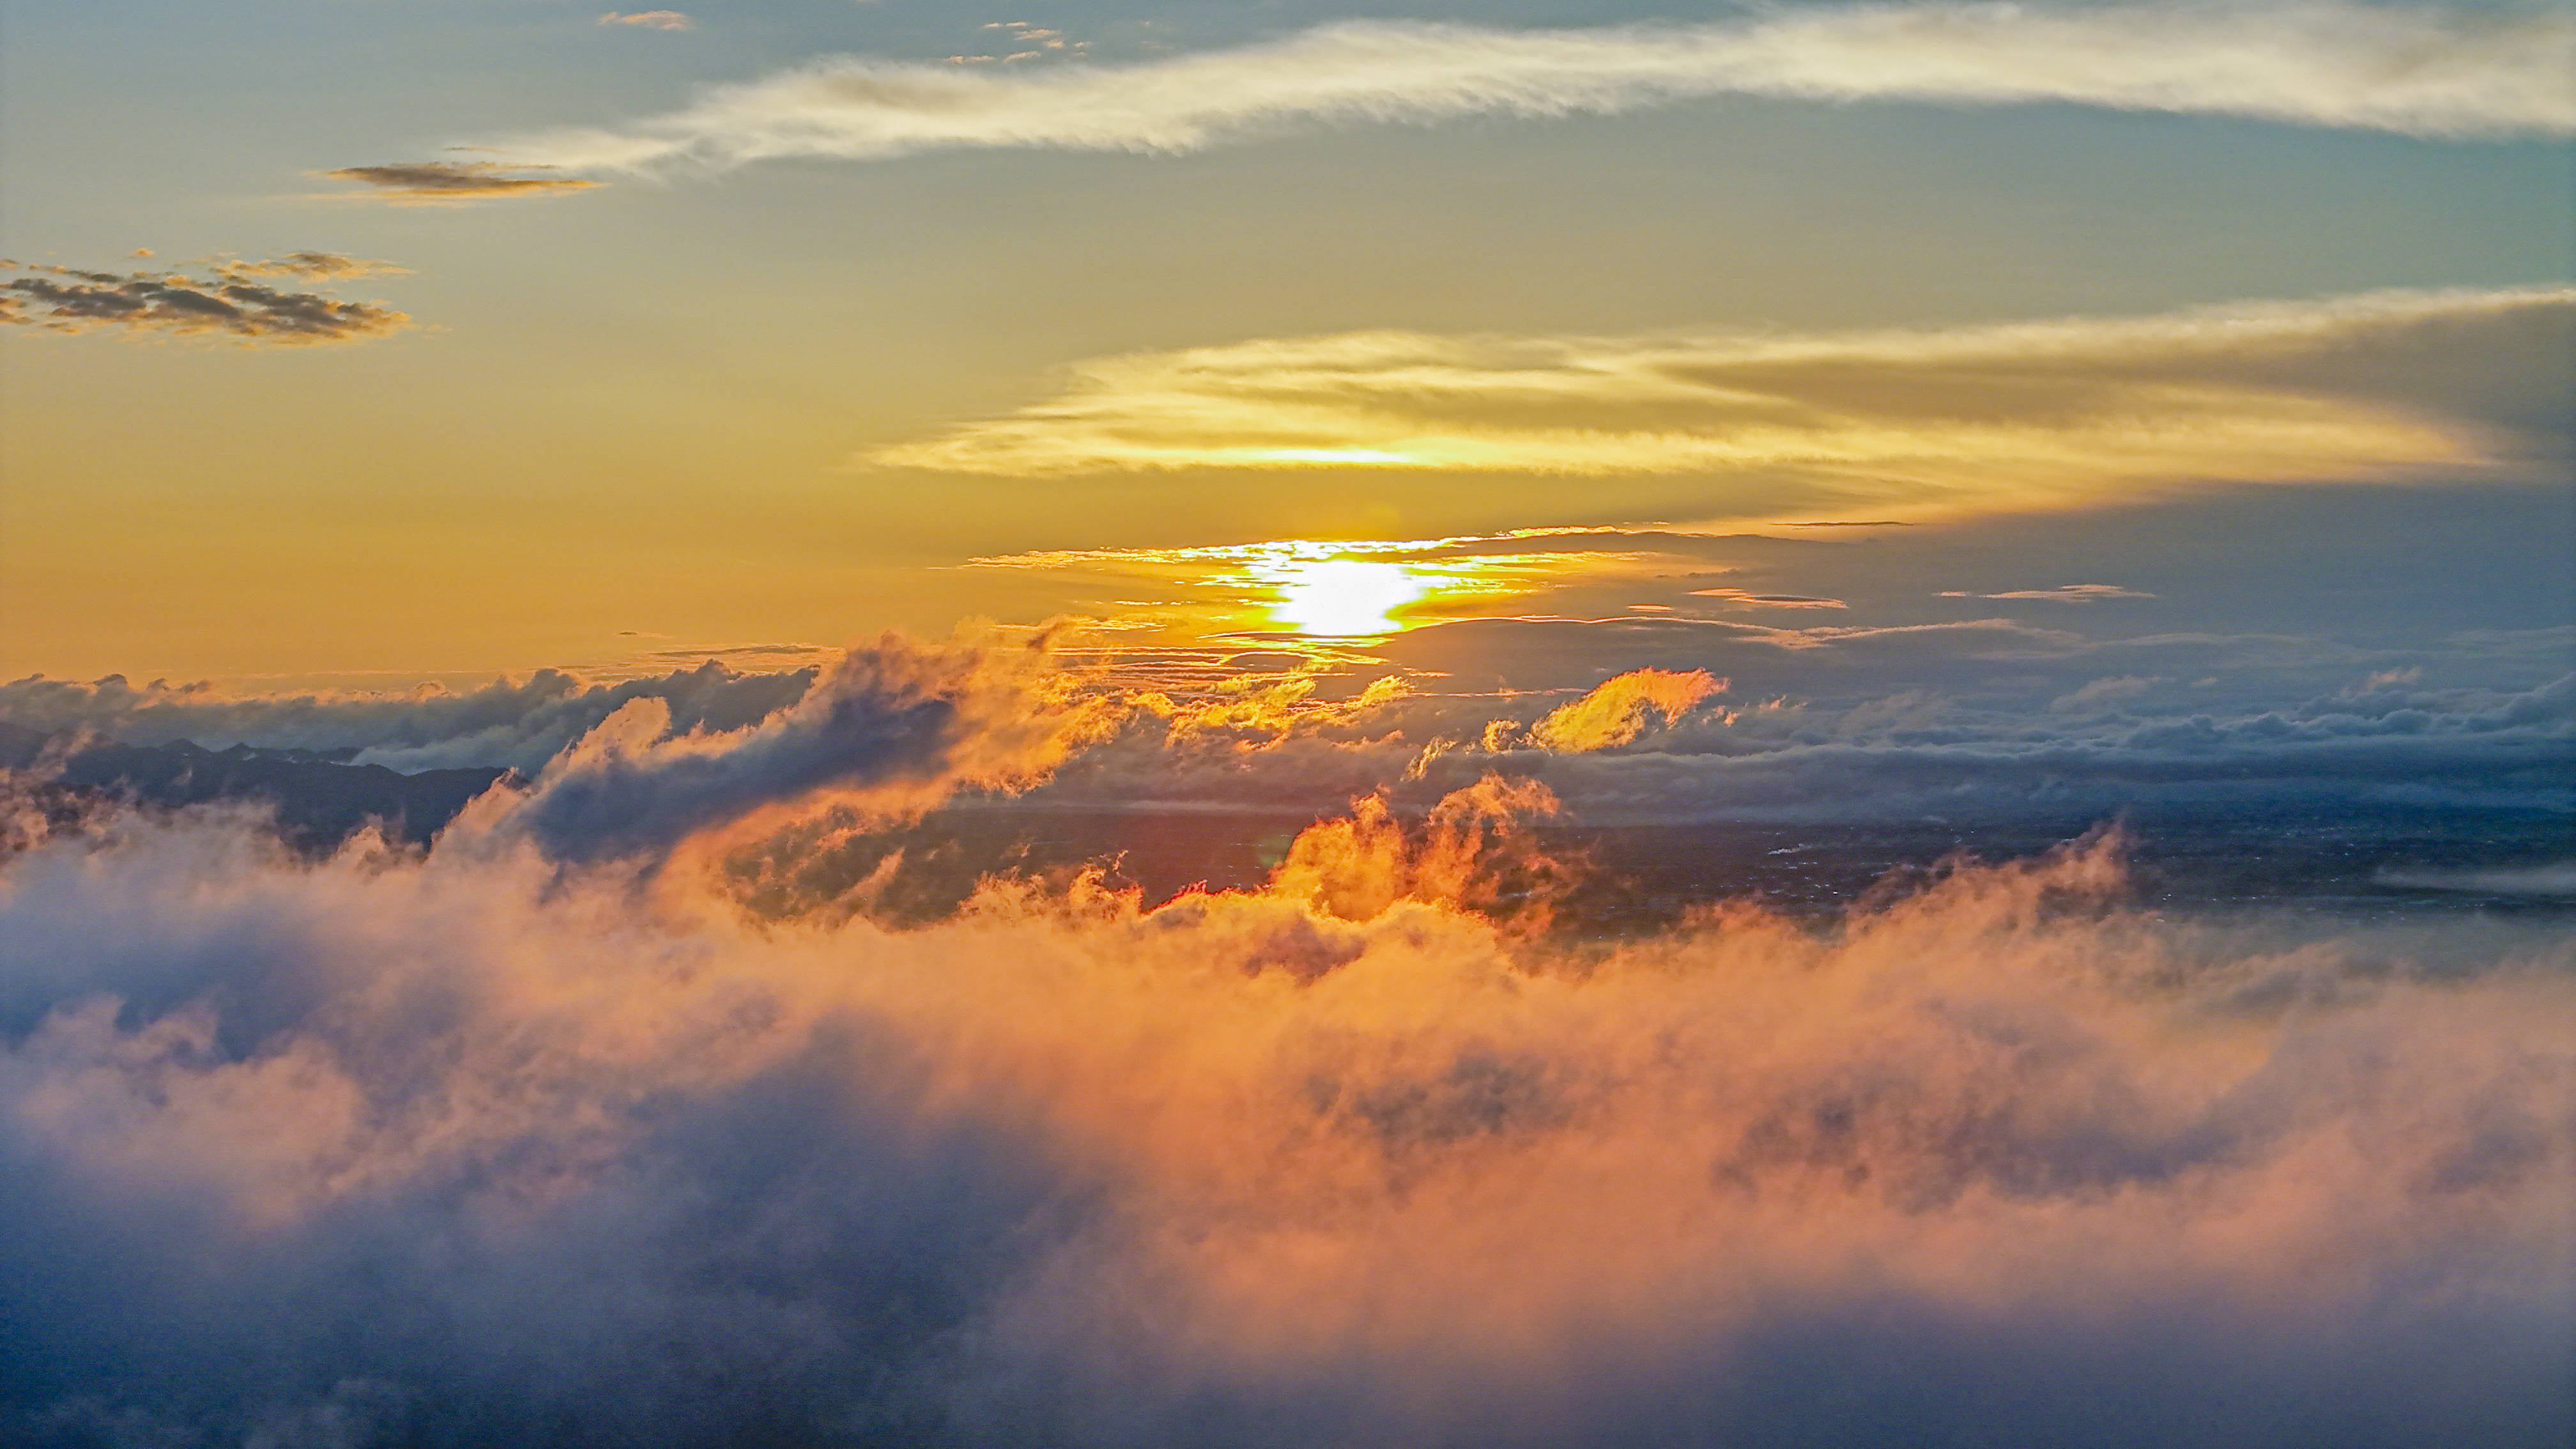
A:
(540, 1135)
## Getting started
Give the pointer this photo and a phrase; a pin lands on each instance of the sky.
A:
(762, 362)
(840, 722)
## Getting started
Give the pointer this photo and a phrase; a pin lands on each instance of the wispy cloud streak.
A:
(449, 181)
(2422, 72)
(649, 19)
(1941, 420)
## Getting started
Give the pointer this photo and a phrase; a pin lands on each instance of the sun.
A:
(1344, 596)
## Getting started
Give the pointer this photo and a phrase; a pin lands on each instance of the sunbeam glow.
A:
(1345, 596)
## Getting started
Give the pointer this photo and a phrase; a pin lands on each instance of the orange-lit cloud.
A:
(1617, 711)
(1928, 423)
(2419, 72)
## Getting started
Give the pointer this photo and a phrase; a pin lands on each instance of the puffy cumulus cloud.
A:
(1617, 711)
(400, 1150)
(649, 20)
(887, 731)
(2425, 72)
(1468, 852)
(1981, 720)
(446, 181)
(233, 301)
(1917, 752)
(521, 724)
(1925, 423)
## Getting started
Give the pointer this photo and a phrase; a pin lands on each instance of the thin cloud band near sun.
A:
(1336, 589)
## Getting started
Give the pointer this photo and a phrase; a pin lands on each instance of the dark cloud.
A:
(433, 181)
(230, 301)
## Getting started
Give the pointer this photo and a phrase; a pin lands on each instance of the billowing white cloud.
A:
(886, 730)
(2427, 72)
(1928, 422)
(381, 1149)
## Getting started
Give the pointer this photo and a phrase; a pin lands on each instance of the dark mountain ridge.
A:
(321, 797)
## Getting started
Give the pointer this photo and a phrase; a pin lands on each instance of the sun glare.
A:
(1345, 596)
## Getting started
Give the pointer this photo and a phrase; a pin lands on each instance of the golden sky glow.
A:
(1323, 588)
(1345, 596)
(1176, 291)
(1199, 724)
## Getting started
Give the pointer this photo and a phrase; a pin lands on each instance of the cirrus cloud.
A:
(2424, 72)
(1927, 422)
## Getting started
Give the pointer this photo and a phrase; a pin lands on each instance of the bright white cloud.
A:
(2421, 72)
(1926, 422)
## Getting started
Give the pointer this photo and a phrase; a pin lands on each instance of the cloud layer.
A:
(1926, 422)
(1643, 719)
(521, 724)
(2427, 72)
(233, 300)
(468, 1149)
